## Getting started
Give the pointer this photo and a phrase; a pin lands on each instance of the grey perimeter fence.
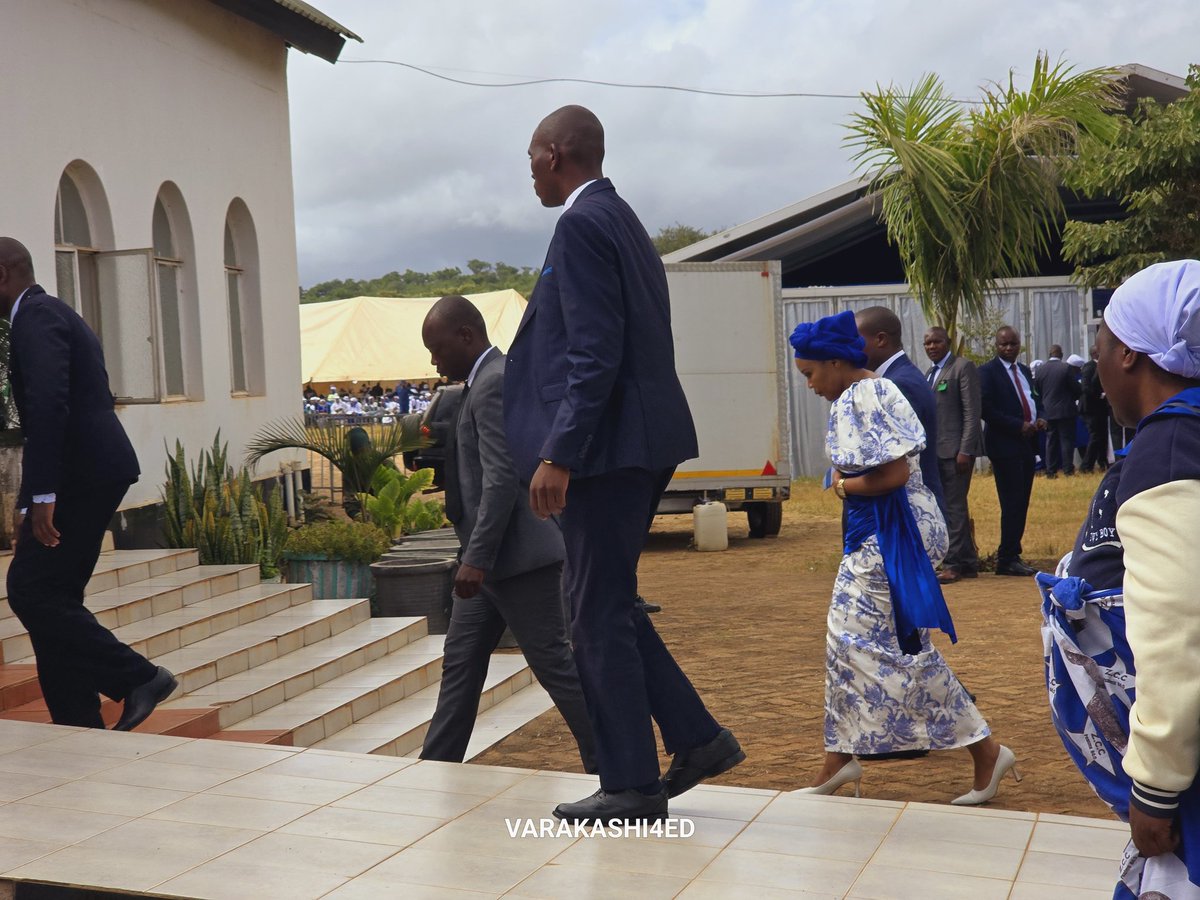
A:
(1045, 311)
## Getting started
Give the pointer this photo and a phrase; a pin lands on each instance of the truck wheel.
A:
(765, 519)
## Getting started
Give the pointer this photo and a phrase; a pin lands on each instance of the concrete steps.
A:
(265, 663)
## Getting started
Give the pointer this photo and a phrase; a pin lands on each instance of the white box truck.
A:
(732, 358)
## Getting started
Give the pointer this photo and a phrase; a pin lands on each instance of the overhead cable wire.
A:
(529, 80)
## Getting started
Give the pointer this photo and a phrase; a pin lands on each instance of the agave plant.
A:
(972, 195)
(351, 451)
(221, 513)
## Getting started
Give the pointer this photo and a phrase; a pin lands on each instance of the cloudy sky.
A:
(396, 169)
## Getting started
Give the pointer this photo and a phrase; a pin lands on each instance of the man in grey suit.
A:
(511, 562)
(955, 384)
(1058, 383)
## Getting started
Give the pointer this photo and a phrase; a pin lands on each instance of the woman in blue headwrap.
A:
(887, 688)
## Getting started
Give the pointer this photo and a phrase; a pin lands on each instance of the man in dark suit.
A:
(510, 568)
(1012, 418)
(1058, 386)
(1093, 406)
(77, 464)
(597, 421)
(955, 383)
(881, 330)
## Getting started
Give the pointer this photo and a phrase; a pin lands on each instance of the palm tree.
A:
(972, 195)
(351, 451)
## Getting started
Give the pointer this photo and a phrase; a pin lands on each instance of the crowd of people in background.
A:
(371, 401)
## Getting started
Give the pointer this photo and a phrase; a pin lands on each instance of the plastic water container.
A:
(709, 527)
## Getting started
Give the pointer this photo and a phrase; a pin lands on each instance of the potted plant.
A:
(356, 456)
(335, 557)
(395, 505)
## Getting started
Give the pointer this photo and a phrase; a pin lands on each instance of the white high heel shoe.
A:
(851, 771)
(1005, 760)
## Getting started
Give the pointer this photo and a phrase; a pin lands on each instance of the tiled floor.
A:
(174, 817)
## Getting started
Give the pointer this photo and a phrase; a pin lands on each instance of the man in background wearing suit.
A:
(1012, 418)
(597, 421)
(1093, 406)
(1058, 386)
(510, 569)
(76, 465)
(881, 330)
(955, 383)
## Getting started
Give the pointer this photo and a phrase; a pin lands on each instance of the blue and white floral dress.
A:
(878, 698)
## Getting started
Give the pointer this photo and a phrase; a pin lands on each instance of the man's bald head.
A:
(16, 271)
(455, 335)
(578, 134)
(881, 329)
(455, 311)
(567, 150)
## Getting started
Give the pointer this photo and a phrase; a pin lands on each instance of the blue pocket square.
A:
(547, 270)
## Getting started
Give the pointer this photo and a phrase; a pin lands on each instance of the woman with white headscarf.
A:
(1130, 607)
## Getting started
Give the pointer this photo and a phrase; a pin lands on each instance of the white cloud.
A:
(395, 169)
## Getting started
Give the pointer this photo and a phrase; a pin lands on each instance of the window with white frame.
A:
(75, 253)
(168, 270)
(243, 302)
(233, 296)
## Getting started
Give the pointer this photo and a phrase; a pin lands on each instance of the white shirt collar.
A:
(13, 314)
(941, 364)
(888, 363)
(575, 194)
(478, 363)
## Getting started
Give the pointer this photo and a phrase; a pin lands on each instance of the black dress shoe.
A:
(1016, 567)
(690, 767)
(645, 605)
(624, 806)
(143, 698)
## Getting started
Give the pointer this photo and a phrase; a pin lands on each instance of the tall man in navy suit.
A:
(1012, 418)
(76, 465)
(597, 421)
(881, 330)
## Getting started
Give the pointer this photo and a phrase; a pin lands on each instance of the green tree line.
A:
(479, 277)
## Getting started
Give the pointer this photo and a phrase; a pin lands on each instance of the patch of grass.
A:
(1056, 510)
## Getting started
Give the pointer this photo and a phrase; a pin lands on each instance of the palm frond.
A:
(969, 197)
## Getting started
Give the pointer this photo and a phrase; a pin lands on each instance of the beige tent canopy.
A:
(379, 338)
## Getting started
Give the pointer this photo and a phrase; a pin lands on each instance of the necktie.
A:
(931, 377)
(1025, 411)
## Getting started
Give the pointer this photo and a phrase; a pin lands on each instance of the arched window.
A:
(76, 245)
(168, 266)
(248, 373)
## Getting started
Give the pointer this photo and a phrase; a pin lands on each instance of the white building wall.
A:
(149, 91)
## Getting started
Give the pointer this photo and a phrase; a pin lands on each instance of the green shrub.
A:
(394, 506)
(359, 542)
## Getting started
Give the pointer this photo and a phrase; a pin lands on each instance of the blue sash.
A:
(917, 600)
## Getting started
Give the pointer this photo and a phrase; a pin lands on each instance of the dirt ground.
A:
(748, 626)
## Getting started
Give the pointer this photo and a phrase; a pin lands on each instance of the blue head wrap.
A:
(833, 337)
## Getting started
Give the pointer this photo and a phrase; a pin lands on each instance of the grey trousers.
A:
(962, 554)
(531, 605)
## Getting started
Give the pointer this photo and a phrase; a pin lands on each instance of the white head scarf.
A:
(1075, 360)
(1157, 312)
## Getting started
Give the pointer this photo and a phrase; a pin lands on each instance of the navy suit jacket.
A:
(915, 387)
(590, 380)
(1002, 413)
(72, 436)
